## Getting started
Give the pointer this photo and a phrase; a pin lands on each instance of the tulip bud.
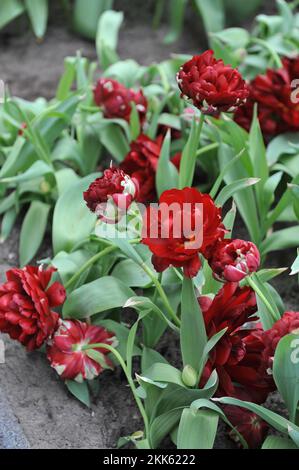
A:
(189, 376)
(44, 186)
(232, 260)
(111, 195)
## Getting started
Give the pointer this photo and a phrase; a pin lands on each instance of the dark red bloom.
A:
(232, 260)
(111, 195)
(211, 85)
(67, 357)
(277, 101)
(141, 163)
(287, 324)
(26, 304)
(185, 224)
(231, 308)
(254, 372)
(116, 99)
(248, 424)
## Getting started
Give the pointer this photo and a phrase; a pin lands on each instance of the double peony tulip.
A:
(26, 304)
(111, 195)
(67, 357)
(232, 260)
(115, 99)
(211, 85)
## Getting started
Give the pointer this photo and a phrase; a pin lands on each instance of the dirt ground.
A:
(49, 416)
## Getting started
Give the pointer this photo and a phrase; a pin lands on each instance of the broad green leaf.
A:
(10, 9)
(295, 265)
(38, 13)
(85, 20)
(150, 357)
(97, 296)
(134, 122)
(8, 221)
(72, 220)
(49, 126)
(231, 189)
(276, 442)
(213, 15)
(232, 36)
(33, 230)
(278, 422)
(107, 37)
(167, 174)
(68, 264)
(280, 240)
(168, 409)
(188, 160)
(113, 139)
(244, 199)
(67, 79)
(280, 145)
(267, 308)
(122, 333)
(131, 273)
(144, 304)
(257, 152)
(79, 390)
(65, 178)
(197, 429)
(37, 169)
(177, 13)
(193, 333)
(286, 372)
(161, 372)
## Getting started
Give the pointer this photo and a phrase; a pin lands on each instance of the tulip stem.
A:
(162, 294)
(109, 249)
(129, 379)
(89, 263)
(257, 290)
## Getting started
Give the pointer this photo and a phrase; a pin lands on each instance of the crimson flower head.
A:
(231, 308)
(141, 163)
(211, 85)
(232, 260)
(67, 356)
(276, 98)
(254, 371)
(115, 99)
(111, 195)
(26, 304)
(248, 424)
(185, 224)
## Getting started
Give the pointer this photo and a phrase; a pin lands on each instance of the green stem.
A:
(89, 263)
(93, 260)
(206, 149)
(162, 294)
(261, 296)
(129, 379)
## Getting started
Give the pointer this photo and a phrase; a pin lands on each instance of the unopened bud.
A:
(45, 187)
(189, 376)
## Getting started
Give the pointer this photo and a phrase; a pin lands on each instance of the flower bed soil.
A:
(39, 402)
